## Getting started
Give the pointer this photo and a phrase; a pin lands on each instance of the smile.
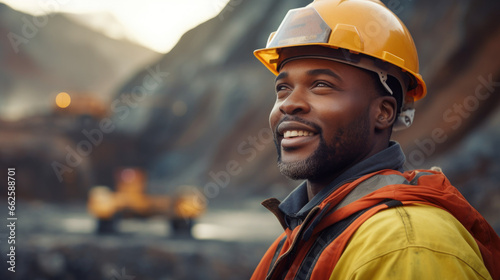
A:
(296, 133)
(298, 139)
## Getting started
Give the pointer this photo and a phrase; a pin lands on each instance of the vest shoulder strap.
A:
(328, 235)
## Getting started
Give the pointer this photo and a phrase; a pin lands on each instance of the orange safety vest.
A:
(312, 249)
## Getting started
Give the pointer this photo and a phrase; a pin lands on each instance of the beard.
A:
(332, 156)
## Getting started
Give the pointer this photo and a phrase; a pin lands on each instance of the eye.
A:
(322, 84)
(281, 90)
(324, 87)
(281, 87)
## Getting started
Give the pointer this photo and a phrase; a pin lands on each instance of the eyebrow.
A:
(281, 75)
(316, 72)
(313, 72)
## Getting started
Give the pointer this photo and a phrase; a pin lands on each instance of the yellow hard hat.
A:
(364, 27)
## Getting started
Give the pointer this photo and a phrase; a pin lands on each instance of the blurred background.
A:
(159, 110)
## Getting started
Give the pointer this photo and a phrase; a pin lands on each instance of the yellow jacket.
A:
(397, 243)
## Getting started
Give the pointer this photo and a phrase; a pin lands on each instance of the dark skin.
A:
(321, 102)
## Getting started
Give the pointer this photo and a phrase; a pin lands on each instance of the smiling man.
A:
(347, 76)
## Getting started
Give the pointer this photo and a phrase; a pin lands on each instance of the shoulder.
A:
(412, 240)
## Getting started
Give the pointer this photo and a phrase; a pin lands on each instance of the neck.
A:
(314, 186)
(312, 190)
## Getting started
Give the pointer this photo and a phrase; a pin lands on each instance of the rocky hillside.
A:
(41, 56)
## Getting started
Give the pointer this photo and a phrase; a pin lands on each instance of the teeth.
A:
(295, 133)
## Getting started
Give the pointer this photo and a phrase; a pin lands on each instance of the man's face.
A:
(321, 118)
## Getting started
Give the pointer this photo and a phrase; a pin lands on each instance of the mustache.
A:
(296, 119)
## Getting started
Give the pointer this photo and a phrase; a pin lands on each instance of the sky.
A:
(157, 24)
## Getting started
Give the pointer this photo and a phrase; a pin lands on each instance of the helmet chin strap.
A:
(382, 75)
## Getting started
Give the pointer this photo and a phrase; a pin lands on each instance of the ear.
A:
(384, 112)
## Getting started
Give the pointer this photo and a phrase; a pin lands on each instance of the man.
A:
(347, 75)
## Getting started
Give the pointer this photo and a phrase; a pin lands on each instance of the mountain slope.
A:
(41, 56)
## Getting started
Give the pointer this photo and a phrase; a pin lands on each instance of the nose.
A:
(295, 103)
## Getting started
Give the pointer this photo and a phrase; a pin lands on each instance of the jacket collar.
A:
(296, 206)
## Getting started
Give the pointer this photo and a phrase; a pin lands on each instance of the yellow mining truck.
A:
(130, 200)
